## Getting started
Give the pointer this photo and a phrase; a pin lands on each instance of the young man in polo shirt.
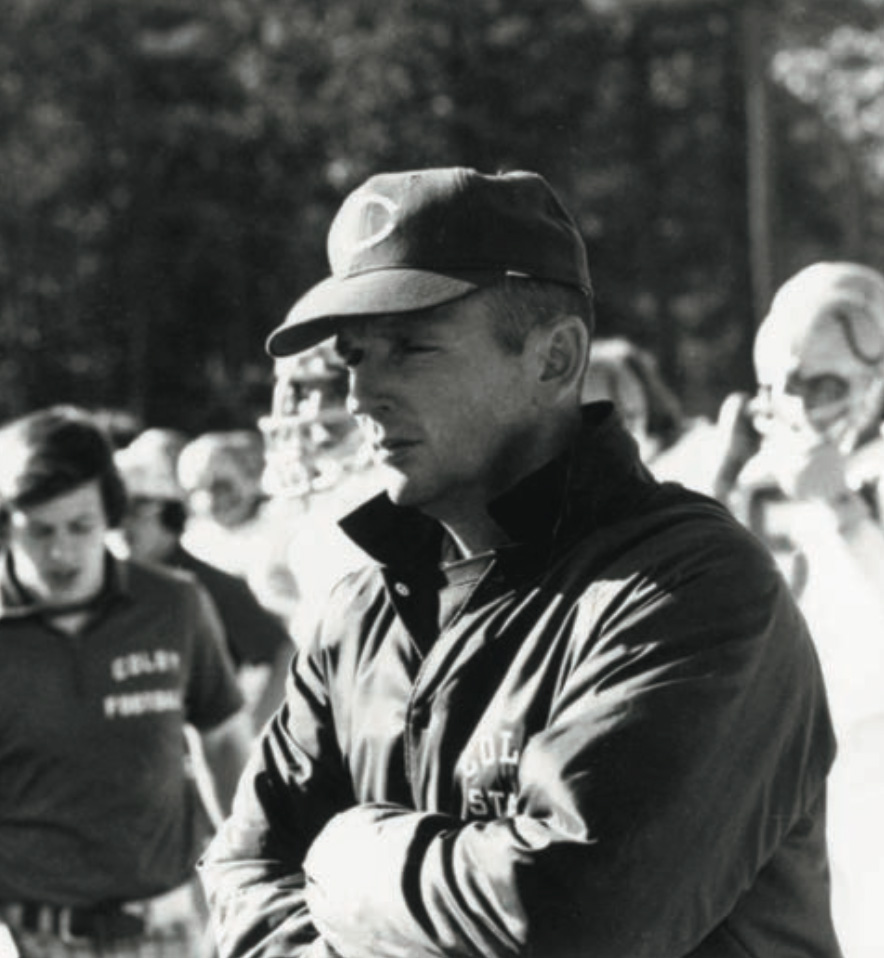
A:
(102, 664)
(566, 711)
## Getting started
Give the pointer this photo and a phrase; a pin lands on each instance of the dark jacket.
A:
(618, 748)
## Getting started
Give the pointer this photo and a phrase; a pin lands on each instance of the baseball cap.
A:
(409, 241)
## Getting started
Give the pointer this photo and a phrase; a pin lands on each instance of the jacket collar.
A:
(16, 603)
(596, 481)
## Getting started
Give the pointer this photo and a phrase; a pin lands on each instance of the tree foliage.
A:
(168, 169)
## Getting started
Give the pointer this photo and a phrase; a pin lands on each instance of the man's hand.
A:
(342, 863)
(362, 873)
(737, 441)
(805, 467)
(810, 471)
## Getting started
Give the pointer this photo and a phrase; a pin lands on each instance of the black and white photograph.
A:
(442, 479)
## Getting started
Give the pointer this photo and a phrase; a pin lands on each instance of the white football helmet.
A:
(310, 438)
(819, 354)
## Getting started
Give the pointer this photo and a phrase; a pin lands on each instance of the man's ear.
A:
(563, 347)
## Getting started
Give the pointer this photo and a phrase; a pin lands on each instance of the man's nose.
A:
(62, 548)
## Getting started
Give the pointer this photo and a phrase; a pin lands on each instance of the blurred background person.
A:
(231, 525)
(318, 469)
(152, 527)
(104, 663)
(803, 465)
(629, 377)
(674, 446)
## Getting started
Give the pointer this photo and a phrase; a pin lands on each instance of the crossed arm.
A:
(669, 772)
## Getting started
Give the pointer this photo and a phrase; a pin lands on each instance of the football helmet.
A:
(310, 438)
(819, 354)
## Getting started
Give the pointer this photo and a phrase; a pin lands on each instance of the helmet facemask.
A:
(310, 437)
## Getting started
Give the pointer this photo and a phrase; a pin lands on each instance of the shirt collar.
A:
(16, 603)
(596, 481)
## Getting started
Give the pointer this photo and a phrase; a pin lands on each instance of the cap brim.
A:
(316, 315)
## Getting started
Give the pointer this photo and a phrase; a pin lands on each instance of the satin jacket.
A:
(618, 747)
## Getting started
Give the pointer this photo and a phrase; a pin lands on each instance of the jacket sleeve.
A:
(291, 786)
(688, 739)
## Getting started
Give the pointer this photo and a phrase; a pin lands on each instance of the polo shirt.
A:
(254, 634)
(95, 800)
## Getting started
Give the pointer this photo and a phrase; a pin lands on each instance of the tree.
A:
(169, 170)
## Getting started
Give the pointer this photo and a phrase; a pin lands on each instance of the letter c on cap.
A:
(365, 220)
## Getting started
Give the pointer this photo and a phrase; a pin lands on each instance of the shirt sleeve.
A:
(213, 694)
(254, 634)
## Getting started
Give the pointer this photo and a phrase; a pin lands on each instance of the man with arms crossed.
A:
(566, 711)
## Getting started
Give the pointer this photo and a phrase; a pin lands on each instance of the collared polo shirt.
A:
(95, 800)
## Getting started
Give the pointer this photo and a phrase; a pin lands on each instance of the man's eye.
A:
(348, 357)
(411, 347)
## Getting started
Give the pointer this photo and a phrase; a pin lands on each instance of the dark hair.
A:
(173, 516)
(665, 414)
(519, 304)
(51, 452)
